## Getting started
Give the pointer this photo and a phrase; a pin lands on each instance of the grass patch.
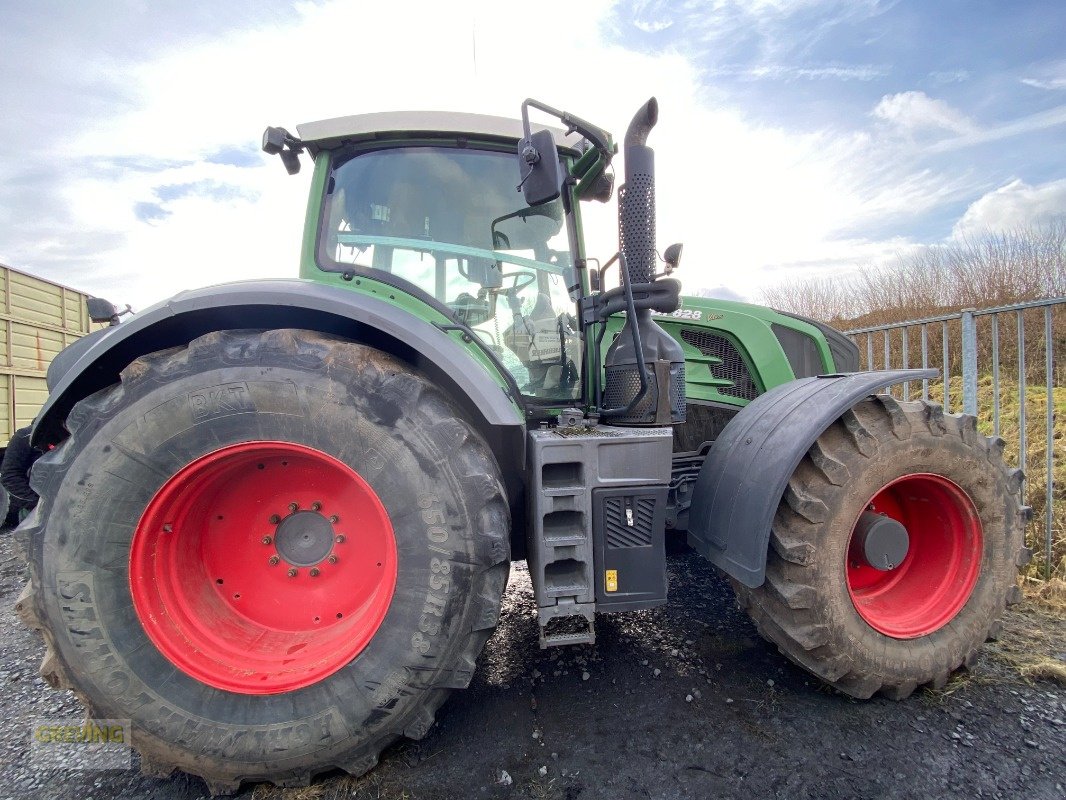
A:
(1032, 644)
(1035, 462)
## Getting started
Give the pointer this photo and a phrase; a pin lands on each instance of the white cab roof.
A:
(328, 132)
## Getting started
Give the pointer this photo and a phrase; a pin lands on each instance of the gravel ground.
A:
(685, 701)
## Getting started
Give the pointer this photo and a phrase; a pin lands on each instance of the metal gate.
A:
(989, 349)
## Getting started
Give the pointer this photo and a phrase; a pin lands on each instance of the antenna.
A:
(473, 44)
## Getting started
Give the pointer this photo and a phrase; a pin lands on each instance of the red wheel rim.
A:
(940, 570)
(263, 567)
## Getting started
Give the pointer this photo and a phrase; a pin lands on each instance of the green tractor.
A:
(277, 517)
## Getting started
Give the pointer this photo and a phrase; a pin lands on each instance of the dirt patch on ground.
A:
(685, 701)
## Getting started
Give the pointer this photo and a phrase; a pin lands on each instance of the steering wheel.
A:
(519, 284)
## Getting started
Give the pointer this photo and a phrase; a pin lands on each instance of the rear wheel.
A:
(894, 550)
(275, 552)
(5, 507)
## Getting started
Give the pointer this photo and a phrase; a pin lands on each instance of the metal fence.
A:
(940, 341)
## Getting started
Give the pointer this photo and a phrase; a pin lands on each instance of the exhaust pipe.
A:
(636, 204)
(643, 354)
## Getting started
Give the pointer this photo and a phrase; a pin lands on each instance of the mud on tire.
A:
(356, 405)
(805, 606)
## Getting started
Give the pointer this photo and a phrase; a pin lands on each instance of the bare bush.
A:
(976, 272)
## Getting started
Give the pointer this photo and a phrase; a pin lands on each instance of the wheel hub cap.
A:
(304, 538)
(884, 540)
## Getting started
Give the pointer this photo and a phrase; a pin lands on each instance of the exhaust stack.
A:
(642, 343)
(636, 199)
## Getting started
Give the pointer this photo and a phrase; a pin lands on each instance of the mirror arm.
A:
(600, 138)
(605, 267)
(529, 103)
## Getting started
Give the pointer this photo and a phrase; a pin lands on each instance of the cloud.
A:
(762, 40)
(1032, 123)
(67, 72)
(1050, 83)
(1047, 76)
(761, 197)
(167, 194)
(150, 212)
(949, 76)
(1013, 206)
(790, 72)
(158, 184)
(213, 190)
(916, 112)
(237, 156)
(653, 26)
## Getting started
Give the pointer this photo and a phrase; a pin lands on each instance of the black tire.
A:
(805, 607)
(5, 506)
(96, 484)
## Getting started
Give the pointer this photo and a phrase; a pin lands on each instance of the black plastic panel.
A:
(629, 528)
(801, 351)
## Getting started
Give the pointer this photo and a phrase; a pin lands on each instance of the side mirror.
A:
(595, 273)
(602, 189)
(279, 142)
(291, 160)
(672, 257)
(101, 310)
(538, 163)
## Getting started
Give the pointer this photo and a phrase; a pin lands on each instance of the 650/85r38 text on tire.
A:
(274, 552)
(913, 607)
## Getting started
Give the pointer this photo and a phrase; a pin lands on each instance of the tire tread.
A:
(785, 608)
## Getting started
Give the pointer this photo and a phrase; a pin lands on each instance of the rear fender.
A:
(96, 361)
(745, 475)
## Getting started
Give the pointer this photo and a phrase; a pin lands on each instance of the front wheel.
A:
(894, 550)
(274, 552)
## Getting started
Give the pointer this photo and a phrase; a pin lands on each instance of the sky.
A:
(802, 138)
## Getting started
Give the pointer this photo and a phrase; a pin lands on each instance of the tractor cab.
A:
(427, 203)
(435, 205)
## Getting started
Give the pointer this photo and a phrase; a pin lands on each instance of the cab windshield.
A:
(450, 221)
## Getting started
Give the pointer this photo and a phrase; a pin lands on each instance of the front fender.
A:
(97, 363)
(745, 475)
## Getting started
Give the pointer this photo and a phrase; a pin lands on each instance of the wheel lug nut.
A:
(332, 559)
(314, 572)
(273, 561)
(292, 572)
(267, 539)
(294, 506)
(340, 538)
(334, 519)
(274, 519)
(316, 506)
